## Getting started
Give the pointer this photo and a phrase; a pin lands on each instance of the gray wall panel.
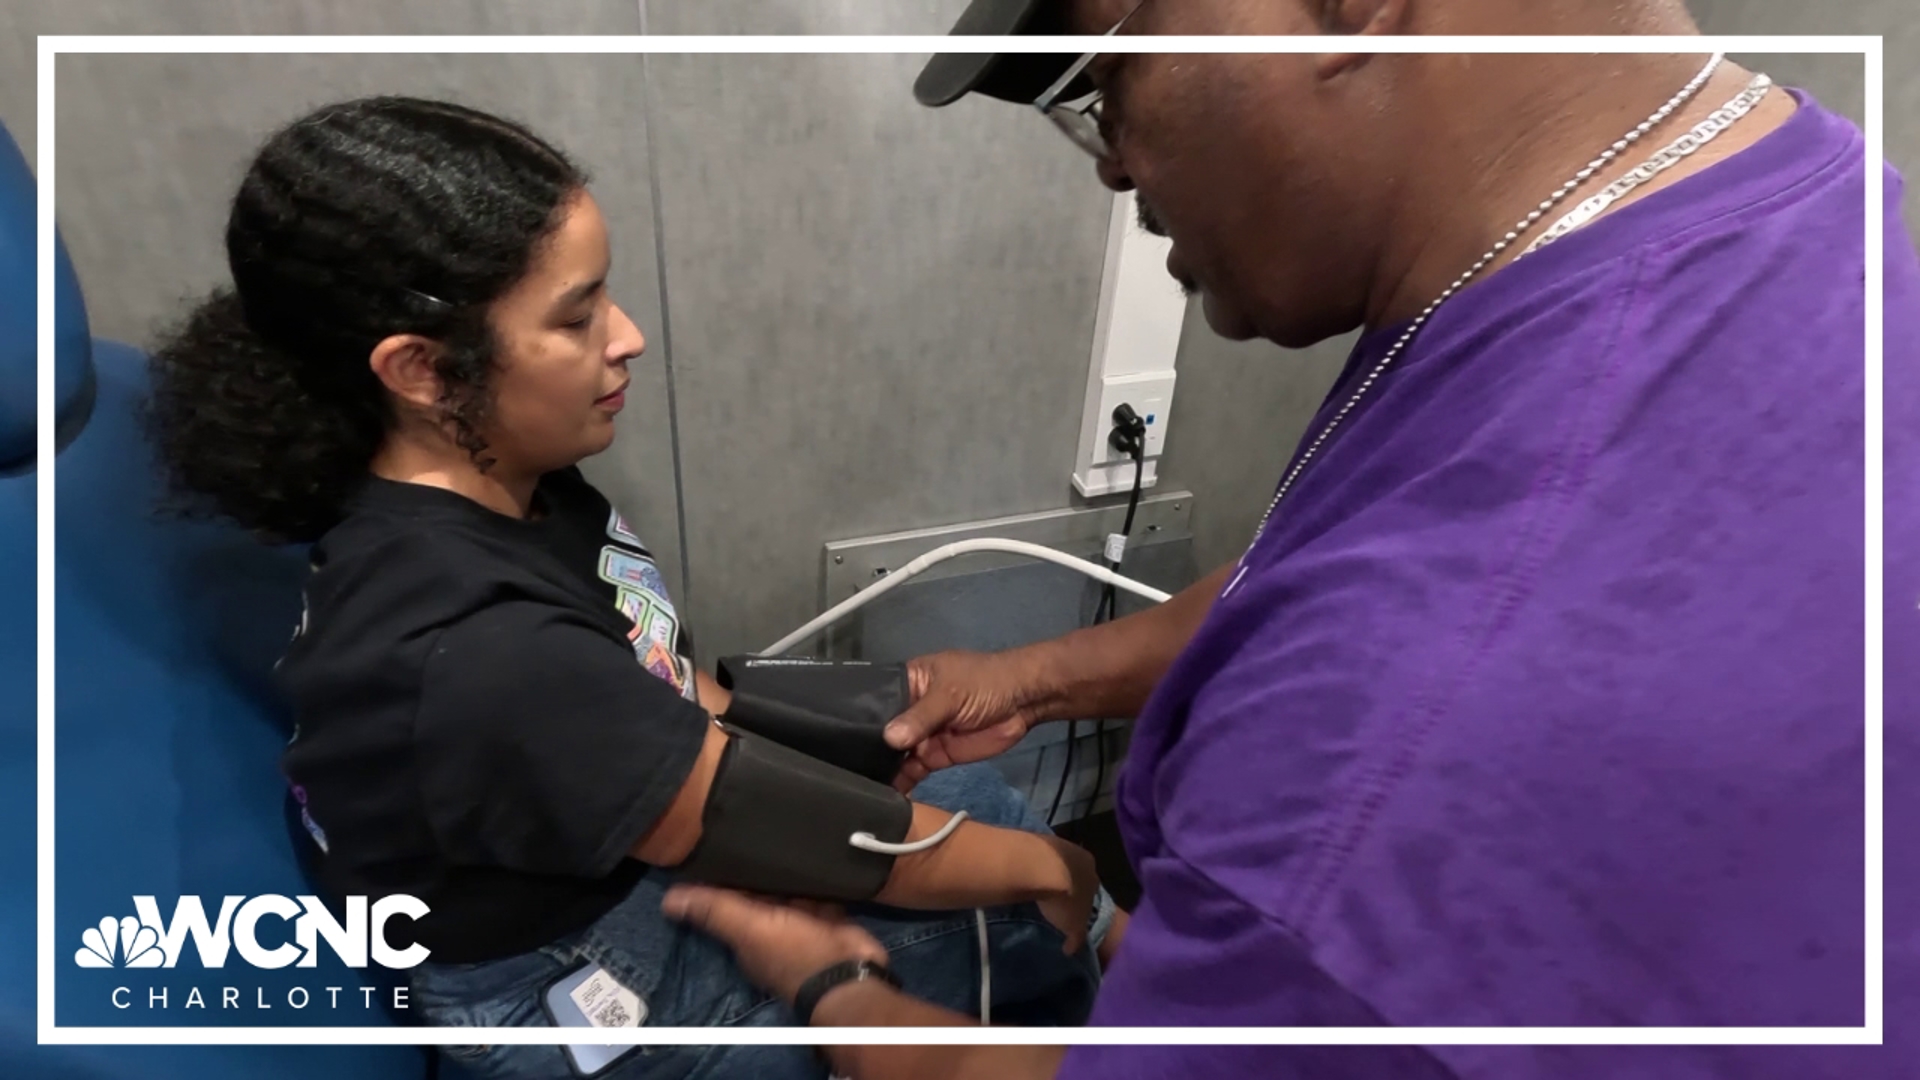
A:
(22, 20)
(151, 149)
(882, 316)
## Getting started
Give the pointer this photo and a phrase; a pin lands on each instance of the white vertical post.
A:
(1136, 337)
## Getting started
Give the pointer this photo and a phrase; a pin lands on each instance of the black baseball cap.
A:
(1015, 77)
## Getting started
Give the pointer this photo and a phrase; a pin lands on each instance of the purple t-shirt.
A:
(1540, 701)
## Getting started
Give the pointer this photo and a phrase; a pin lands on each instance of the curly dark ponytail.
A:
(357, 222)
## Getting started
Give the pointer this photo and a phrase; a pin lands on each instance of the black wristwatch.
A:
(846, 971)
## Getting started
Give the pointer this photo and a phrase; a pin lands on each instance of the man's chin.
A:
(1225, 320)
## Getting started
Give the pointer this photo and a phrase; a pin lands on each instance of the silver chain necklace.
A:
(1533, 217)
(1670, 155)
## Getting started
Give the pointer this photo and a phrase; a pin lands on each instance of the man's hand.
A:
(970, 706)
(967, 706)
(778, 945)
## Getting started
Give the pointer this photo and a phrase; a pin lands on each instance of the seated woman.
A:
(496, 708)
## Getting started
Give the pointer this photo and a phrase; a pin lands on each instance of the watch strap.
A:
(825, 980)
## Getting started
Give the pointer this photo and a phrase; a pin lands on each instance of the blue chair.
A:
(168, 731)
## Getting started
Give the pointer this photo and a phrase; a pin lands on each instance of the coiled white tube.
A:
(866, 841)
(954, 550)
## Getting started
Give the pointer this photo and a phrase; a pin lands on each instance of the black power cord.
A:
(1136, 444)
(1129, 436)
(1066, 770)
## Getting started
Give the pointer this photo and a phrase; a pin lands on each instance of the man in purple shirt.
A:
(1538, 698)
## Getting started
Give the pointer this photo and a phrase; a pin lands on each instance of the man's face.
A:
(1247, 162)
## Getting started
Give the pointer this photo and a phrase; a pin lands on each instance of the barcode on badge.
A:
(605, 1003)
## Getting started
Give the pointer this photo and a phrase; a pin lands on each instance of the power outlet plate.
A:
(1151, 396)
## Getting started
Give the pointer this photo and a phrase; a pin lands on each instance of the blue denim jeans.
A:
(685, 978)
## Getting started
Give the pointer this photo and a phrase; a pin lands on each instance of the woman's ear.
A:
(404, 365)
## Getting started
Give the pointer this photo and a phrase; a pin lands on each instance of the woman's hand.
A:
(1072, 912)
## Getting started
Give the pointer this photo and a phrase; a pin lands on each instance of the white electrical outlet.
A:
(1151, 395)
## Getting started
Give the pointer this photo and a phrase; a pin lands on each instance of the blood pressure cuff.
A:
(778, 821)
(833, 710)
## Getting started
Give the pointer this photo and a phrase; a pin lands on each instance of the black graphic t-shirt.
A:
(491, 712)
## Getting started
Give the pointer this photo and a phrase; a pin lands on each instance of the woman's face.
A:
(563, 347)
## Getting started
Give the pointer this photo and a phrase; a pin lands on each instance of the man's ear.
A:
(404, 365)
(1357, 17)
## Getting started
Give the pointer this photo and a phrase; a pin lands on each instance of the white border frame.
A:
(1871, 1033)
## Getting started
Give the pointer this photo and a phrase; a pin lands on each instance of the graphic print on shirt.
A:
(641, 595)
(633, 605)
(617, 528)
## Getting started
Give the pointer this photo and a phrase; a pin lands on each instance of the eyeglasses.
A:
(1080, 121)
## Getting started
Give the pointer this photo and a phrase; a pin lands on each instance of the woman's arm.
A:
(977, 866)
(712, 697)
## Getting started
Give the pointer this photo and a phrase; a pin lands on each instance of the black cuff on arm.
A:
(778, 821)
(834, 710)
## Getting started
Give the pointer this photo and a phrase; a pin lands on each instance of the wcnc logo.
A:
(148, 941)
(145, 940)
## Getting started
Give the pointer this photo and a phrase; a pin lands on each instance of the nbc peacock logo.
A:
(123, 942)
